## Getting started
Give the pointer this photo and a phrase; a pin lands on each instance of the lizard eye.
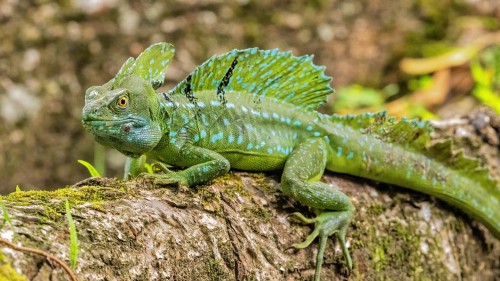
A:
(122, 102)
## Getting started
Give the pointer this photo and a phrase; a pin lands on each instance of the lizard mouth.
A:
(109, 122)
(95, 125)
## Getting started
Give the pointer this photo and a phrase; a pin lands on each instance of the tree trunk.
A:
(237, 228)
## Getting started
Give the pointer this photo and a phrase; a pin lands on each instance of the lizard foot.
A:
(326, 224)
(169, 178)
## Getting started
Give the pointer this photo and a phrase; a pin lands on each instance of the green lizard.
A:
(255, 110)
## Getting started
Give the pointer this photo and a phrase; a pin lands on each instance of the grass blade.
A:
(73, 236)
(93, 172)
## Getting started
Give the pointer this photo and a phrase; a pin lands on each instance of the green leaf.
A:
(73, 236)
(18, 189)
(93, 172)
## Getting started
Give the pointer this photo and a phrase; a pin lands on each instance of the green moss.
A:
(232, 185)
(216, 271)
(379, 258)
(7, 273)
(262, 182)
(226, 252)
(376, 210)
(209, 199)
(53, 201)
(258, 213)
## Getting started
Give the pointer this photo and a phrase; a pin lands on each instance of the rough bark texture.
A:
(237, 227)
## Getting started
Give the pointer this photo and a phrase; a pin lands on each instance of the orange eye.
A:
(122, 101)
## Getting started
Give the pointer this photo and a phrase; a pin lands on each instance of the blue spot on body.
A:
(297, 123)
(309, 128)
(205, 169)
(204, 119)
(196, 138)
(249, 146)
(173, 140)
(339, 151)
(317, 134)
(152, 61)
(172, 134)
(203, 134)
(217, 137)
(230, 138)
(350, 155)
(270, 151)
(225, 121)
(240, 139)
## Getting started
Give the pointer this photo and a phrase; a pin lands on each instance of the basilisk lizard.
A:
(255, 110)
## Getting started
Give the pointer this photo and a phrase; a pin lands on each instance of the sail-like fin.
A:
(150, 65)
(264, 74)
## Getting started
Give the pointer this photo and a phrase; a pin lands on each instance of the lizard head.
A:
(125, 112)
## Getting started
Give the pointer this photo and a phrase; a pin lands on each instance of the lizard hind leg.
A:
(300, 177)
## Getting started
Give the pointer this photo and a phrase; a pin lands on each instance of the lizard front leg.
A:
(300, 180)
(133, 167)
(203, 165)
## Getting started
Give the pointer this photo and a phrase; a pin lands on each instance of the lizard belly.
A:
(254, 162)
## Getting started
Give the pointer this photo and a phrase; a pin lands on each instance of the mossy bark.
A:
(237, 228)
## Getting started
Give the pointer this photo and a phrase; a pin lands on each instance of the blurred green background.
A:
(51, 51)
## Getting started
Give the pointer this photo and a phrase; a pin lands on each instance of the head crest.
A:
(150, 65)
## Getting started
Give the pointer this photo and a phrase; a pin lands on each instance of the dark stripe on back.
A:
(225, 81)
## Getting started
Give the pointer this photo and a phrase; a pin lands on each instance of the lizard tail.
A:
(402, 153)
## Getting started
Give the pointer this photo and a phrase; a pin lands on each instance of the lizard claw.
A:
(326, 224)
(160, 167)
(300, 218)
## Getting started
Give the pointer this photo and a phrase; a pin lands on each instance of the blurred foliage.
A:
(353, 97)
(486, 73)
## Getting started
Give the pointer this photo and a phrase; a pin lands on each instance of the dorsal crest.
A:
(264, 74)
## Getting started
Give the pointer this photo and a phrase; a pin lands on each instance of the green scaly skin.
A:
(255, 110)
